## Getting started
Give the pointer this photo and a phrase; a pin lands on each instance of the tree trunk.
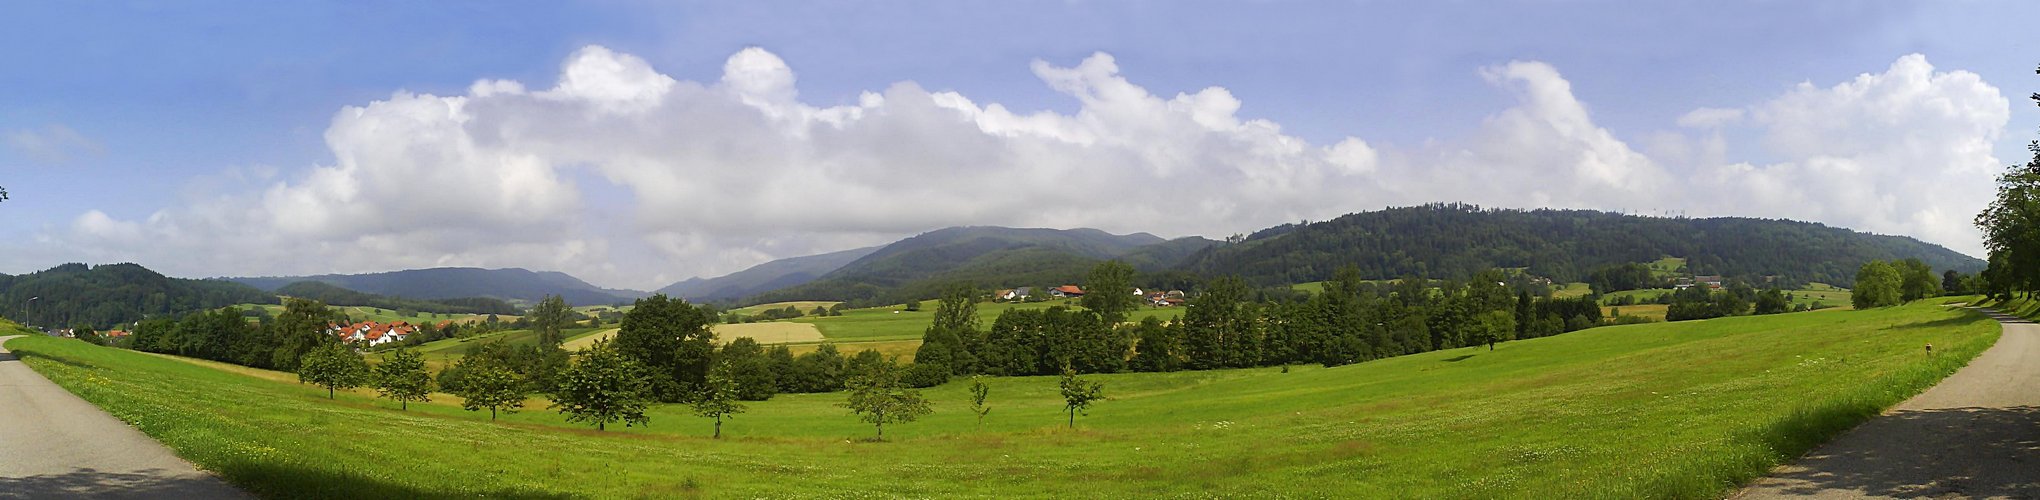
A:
(1073, 419)
(329, 393)
(492, 414)
(718, 427)
(599, 427)
(881, 432)
(404, 405)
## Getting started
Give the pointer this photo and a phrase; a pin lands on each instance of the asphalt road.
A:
(55, 445)
(1975, 435)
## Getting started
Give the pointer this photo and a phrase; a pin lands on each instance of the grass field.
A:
(1682, 410)
(1570, 290)
(1650, 311)
(804, 306)
(890, 323)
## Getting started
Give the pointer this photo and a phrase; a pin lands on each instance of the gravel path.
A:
(55, 445)
(1975, 435)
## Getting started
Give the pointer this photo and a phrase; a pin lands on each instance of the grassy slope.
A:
(1661, 410)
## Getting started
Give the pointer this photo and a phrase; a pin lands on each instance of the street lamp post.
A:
(25, 309)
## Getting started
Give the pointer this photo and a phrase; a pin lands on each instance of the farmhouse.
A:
(1066, 291)
(1014, 294)
(370, 333)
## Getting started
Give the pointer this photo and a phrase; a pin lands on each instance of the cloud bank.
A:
(715, 176)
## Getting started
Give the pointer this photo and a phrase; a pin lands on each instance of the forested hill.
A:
(113, 294)
(337, 296)
(1455, 241)
(458, 282)
(765, 277)
(917, 267)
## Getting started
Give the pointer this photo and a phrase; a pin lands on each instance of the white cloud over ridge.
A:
(725, 174)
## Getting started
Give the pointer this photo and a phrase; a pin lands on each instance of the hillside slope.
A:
(765, 277)
(1455, 241)
(917, 267)
(112, 294)
(459, 282)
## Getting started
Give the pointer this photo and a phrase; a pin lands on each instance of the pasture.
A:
(1683, 410)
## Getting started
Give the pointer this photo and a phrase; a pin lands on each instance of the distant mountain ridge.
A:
(917, 267)
(765, 277)
(512, 284)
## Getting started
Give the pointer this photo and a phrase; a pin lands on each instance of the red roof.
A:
(1070, 289)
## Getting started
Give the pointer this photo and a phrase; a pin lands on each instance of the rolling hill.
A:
(1455, 241)
(111, 294)
(461, 282)
(919, 266)
(765, 277)
(337, 296)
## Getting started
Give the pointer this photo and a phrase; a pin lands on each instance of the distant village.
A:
(1171, 298)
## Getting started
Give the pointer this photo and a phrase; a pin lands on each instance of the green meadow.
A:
(892, 324)
(1665, 410)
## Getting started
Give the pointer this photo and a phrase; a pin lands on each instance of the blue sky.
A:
(142, 131)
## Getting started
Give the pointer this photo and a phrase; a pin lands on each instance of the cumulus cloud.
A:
(715, 176)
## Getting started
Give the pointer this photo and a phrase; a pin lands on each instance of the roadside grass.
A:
(1669, 410)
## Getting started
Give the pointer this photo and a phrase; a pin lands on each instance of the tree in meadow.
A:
(978, 392)
(878, 397)
(718, 396)
(670, 339)
(402, 377)
(603, 386)
(487, 383)
(1877, 285)
(333, 367)
(1078, 394)
(1916, 280)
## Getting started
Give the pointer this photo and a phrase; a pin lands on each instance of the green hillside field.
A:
(1665, 410)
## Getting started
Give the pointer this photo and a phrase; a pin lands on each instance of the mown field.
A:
(892, 323)
(1683, 410)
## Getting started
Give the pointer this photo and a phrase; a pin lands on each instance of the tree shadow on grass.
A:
(90, 483)
(1461, 357)
(1969, 452)
(270, 480)
(264, 480)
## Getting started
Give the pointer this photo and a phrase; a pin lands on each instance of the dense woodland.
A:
(919, 267)
(113, 294)
(1458, 240)
(337, 296)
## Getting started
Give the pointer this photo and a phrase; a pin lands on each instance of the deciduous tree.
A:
(602, 386)
(978, 392)
(487, 383)
(877, 397)
(1110, 291)
(672, 340)
(1078, 394)
(333, 367)
(402, 377)
(718, 396)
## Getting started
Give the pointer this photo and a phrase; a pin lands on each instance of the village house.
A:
(1066, 291)
(1014, 294)
(370, 333)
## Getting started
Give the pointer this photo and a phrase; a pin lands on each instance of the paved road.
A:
(1976, 435)
(55, 445)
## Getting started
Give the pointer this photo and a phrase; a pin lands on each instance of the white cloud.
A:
(725, 174)
(54, 144)
(1906, 151)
